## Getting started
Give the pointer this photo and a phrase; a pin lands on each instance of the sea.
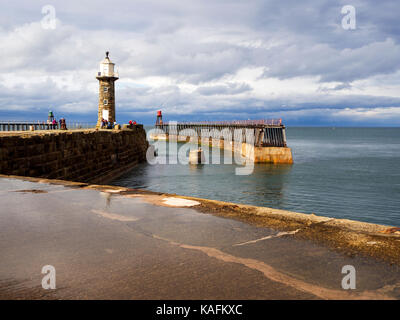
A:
(340, 172)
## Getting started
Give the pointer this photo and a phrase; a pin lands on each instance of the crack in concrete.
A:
(279, 234)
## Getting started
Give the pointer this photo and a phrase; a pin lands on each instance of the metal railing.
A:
(108, 74)
(264, 132)
(16, 125)
(268, 122)
(74, 125)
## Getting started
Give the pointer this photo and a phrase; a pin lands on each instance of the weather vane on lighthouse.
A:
(107, 78)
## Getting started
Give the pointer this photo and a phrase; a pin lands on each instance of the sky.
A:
(204, 60)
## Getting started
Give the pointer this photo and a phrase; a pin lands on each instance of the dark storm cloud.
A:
(331, 65)
(300, 37)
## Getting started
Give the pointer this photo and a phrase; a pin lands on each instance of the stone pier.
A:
(276, 155)
(95, 156)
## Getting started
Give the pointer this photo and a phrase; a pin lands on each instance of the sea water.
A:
(351, 173)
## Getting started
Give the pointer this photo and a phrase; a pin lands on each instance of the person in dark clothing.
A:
(63, 125)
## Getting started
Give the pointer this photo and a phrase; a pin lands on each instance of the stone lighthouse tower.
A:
(107, 78)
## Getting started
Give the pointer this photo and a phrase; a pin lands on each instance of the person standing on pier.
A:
(50, 117)
(63, 124)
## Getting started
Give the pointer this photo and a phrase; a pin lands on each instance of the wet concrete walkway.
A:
(105, 245)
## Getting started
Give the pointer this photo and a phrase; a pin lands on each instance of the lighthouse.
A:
(107, 78)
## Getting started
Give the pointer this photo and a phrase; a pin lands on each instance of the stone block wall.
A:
(80, 155)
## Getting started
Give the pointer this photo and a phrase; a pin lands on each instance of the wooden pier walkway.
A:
(264, 133)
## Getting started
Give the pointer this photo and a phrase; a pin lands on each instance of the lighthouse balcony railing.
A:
(107, 74)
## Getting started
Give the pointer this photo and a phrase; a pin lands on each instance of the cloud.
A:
(225, 89)
(242, 59)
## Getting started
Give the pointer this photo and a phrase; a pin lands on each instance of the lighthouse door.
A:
(105, 115)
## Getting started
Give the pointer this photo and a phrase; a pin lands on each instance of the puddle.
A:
(179, 202)
(277, 276)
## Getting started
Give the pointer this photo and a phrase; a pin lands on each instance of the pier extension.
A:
(261, 141)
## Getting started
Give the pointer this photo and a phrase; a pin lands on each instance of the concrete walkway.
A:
(107, 244)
